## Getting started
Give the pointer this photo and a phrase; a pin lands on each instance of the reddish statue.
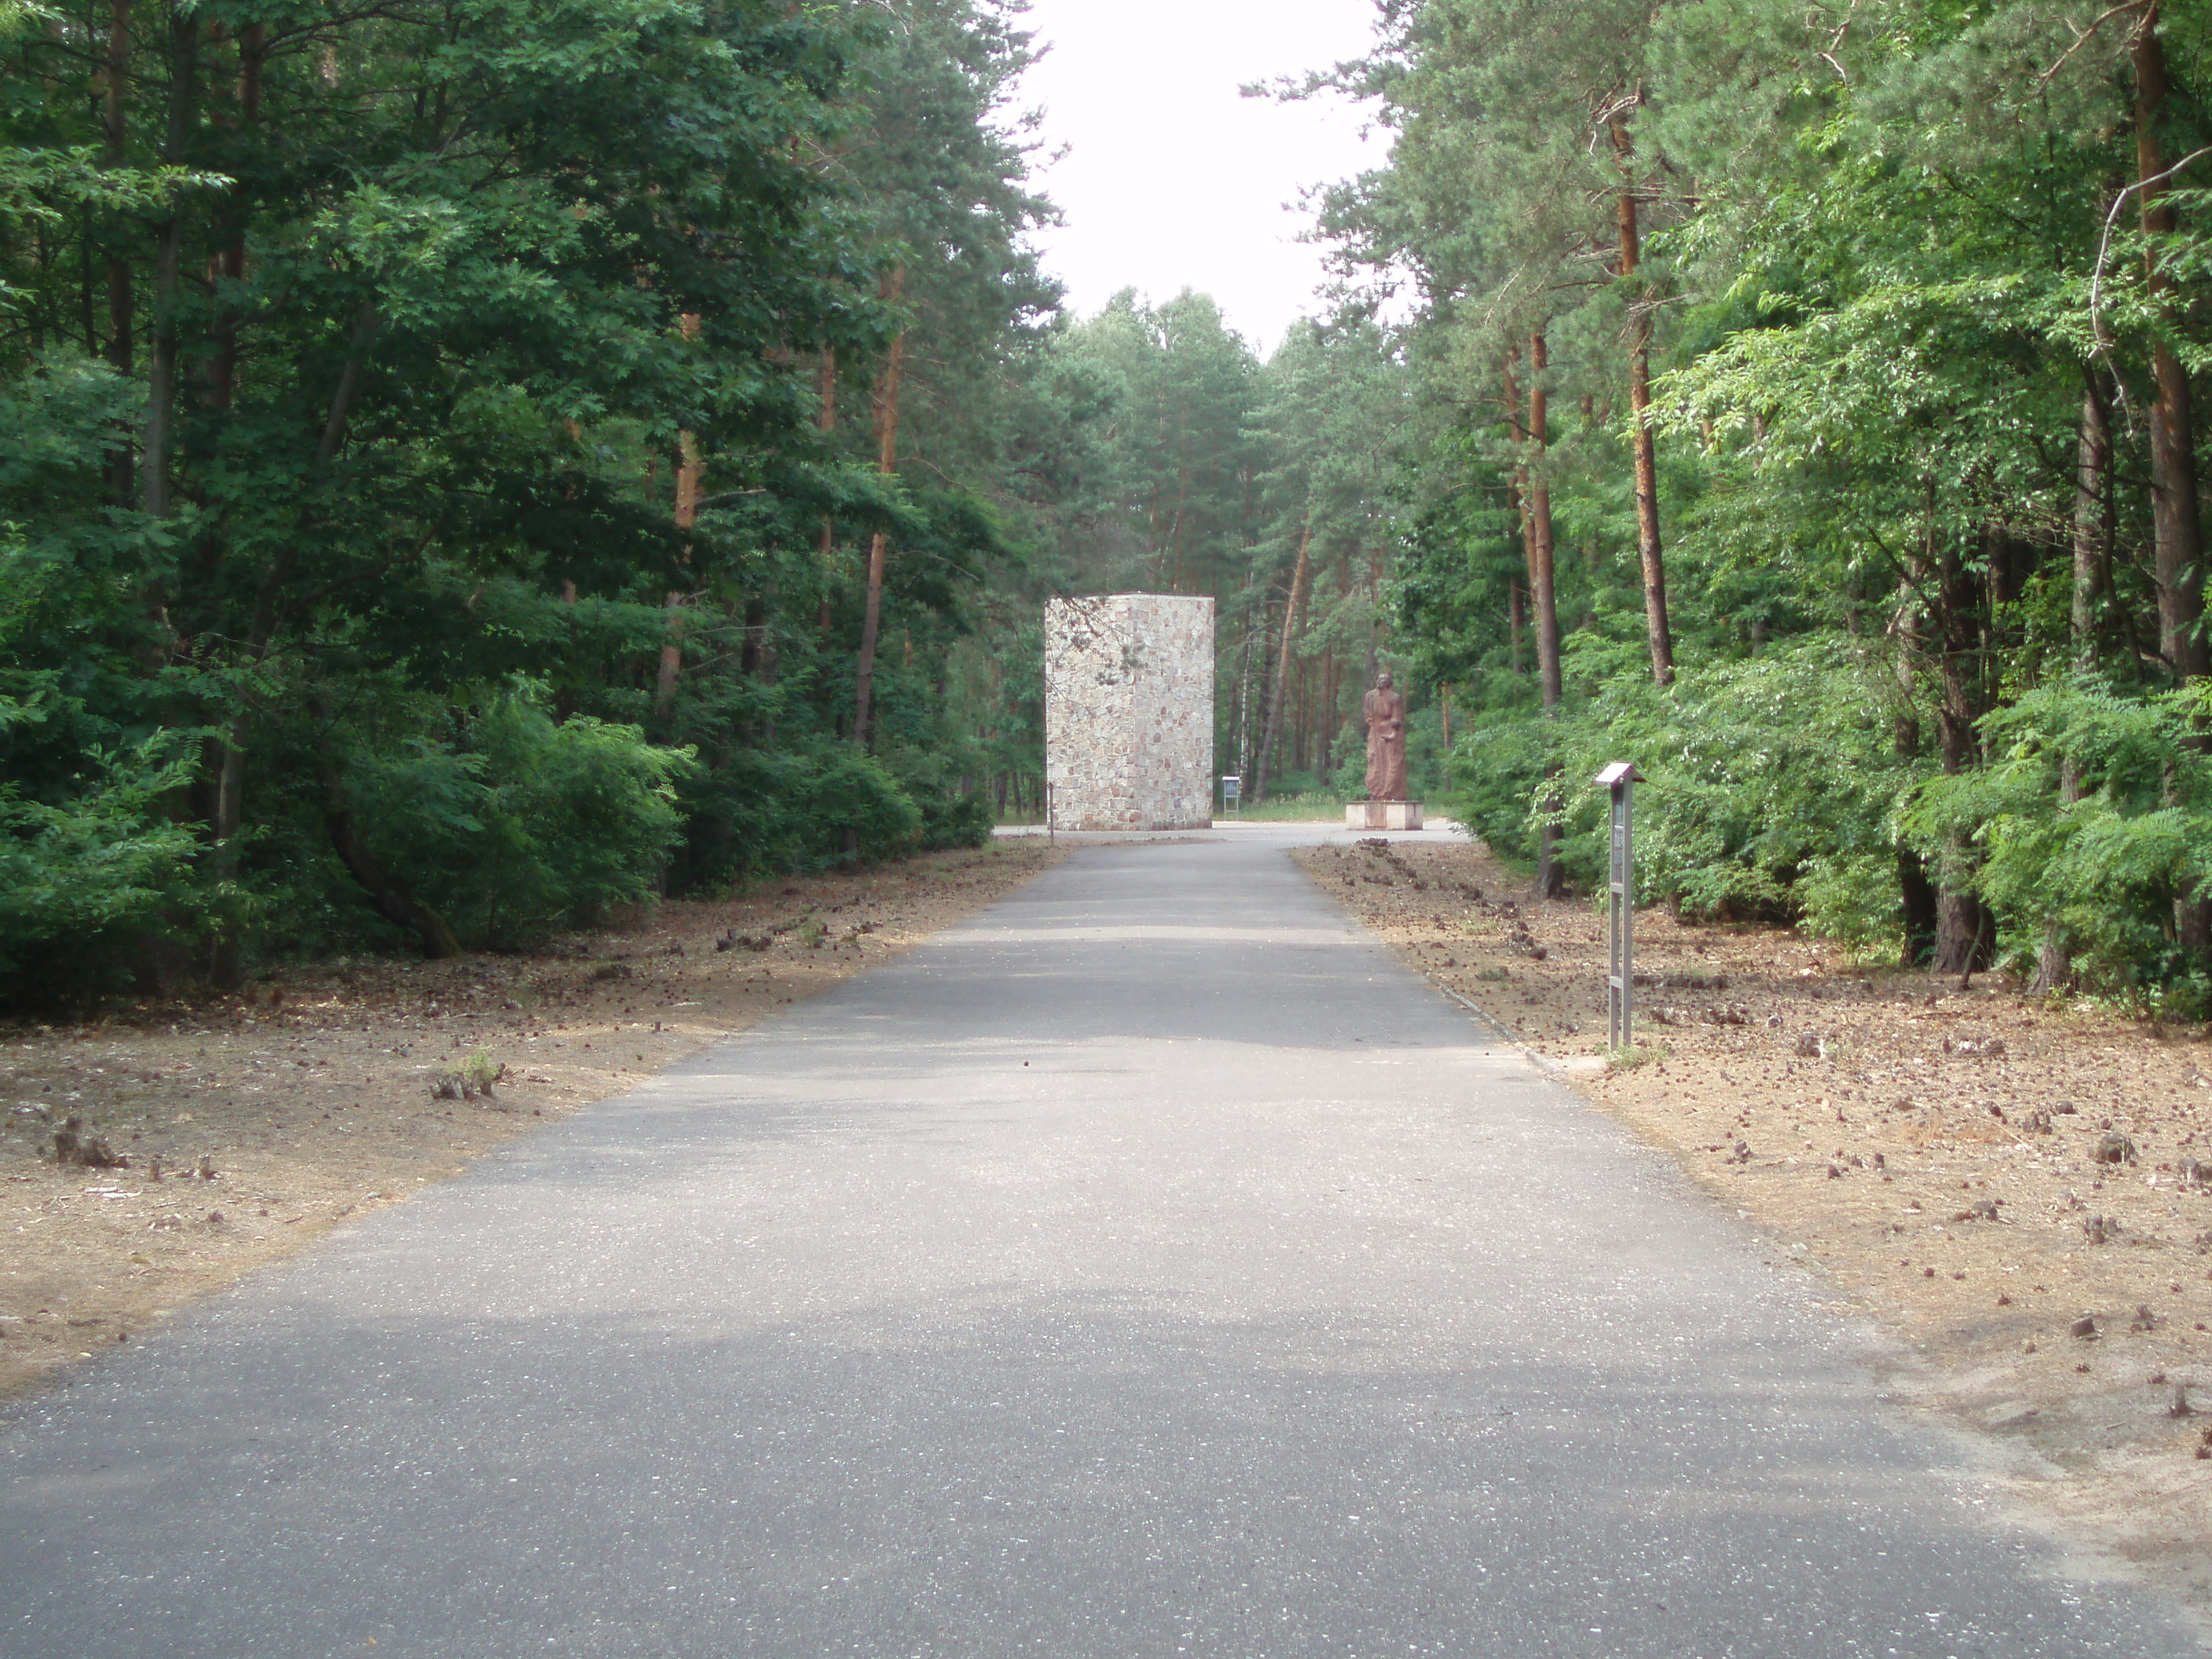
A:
(1384, 708)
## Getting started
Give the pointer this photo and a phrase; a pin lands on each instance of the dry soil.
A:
(1938, 1156)
(251, 1125)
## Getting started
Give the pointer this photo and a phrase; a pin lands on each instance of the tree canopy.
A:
(463, 467)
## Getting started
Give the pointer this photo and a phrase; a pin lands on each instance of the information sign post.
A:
(1620, 912)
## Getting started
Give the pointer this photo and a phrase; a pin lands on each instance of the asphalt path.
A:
(1148, 1266)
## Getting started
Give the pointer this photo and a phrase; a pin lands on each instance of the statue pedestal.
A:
(1383, 815)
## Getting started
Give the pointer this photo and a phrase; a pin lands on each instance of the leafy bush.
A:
(1770, 787)
(86, 880)
(2105, 870)
(857, 810)
(1495, 765)
(956, 821)
(518, 825)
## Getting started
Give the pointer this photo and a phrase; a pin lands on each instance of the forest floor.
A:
(1936, 1154)
(253, 1124)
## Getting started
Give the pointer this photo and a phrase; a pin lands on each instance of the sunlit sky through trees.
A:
(1170, 179)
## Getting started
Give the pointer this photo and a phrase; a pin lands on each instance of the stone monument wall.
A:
(1129, 711)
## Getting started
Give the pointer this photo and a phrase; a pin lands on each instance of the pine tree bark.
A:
(222, 372)
(825, 422)
(160, 429)
(1918, 909)
(2091, 529)
(1275, 724)
(115, 101)
(887, 400)
(1640, 441)
(1543, 592)
(226, 961)
(1515, 615)
(687, 514)
(392, 897)
(1965, 931)
(2177, 527)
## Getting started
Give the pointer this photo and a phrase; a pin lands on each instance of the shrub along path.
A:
(1148, 1264)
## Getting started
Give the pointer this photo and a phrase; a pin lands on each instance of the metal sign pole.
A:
(1620, 912)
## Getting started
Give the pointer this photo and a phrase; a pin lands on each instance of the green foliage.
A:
(518, 825)
(2106, 867)
(360, 541)
(1768, 788)
(87, 883)
(858, 812)
(1931, 641)
(956, 821)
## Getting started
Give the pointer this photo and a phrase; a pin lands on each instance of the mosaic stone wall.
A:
(1129, 711)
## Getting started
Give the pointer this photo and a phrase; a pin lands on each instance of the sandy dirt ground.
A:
(2011, 1187)
(251, 1125)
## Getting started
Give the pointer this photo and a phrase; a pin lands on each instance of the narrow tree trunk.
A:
(1282, 669)
(2093, 461)
(2178, 530)
(687, 515)
(887, 397)
(825, 422)
(394, 899)
(230, 268)
(1917, 893)
(1551, 880)
(1542, 545)
(227, 958)
(1964, 929)
(115, 96)
(671, 663)
(1514, 616)
(1639, 400)
(169, 245)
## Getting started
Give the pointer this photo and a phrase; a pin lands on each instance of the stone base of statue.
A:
(1383, 815)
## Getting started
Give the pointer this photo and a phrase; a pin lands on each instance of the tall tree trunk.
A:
(168, 256)
(115, 101)
(2093, 463)
(230, 267)
(1551, 880)
(2178, 530)
(687, 515)
(1917, 892)
(2093, 521)
(1282, 668)
(226, 959)
(671, 663)
(825, 422)
(1639, 400)
(887, 400)
(1965, 931)
(1542, 545)
(392, 897)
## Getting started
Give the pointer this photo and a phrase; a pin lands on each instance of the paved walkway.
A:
(1148, 1266)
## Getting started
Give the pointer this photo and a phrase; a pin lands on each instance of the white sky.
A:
(1173, 181)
